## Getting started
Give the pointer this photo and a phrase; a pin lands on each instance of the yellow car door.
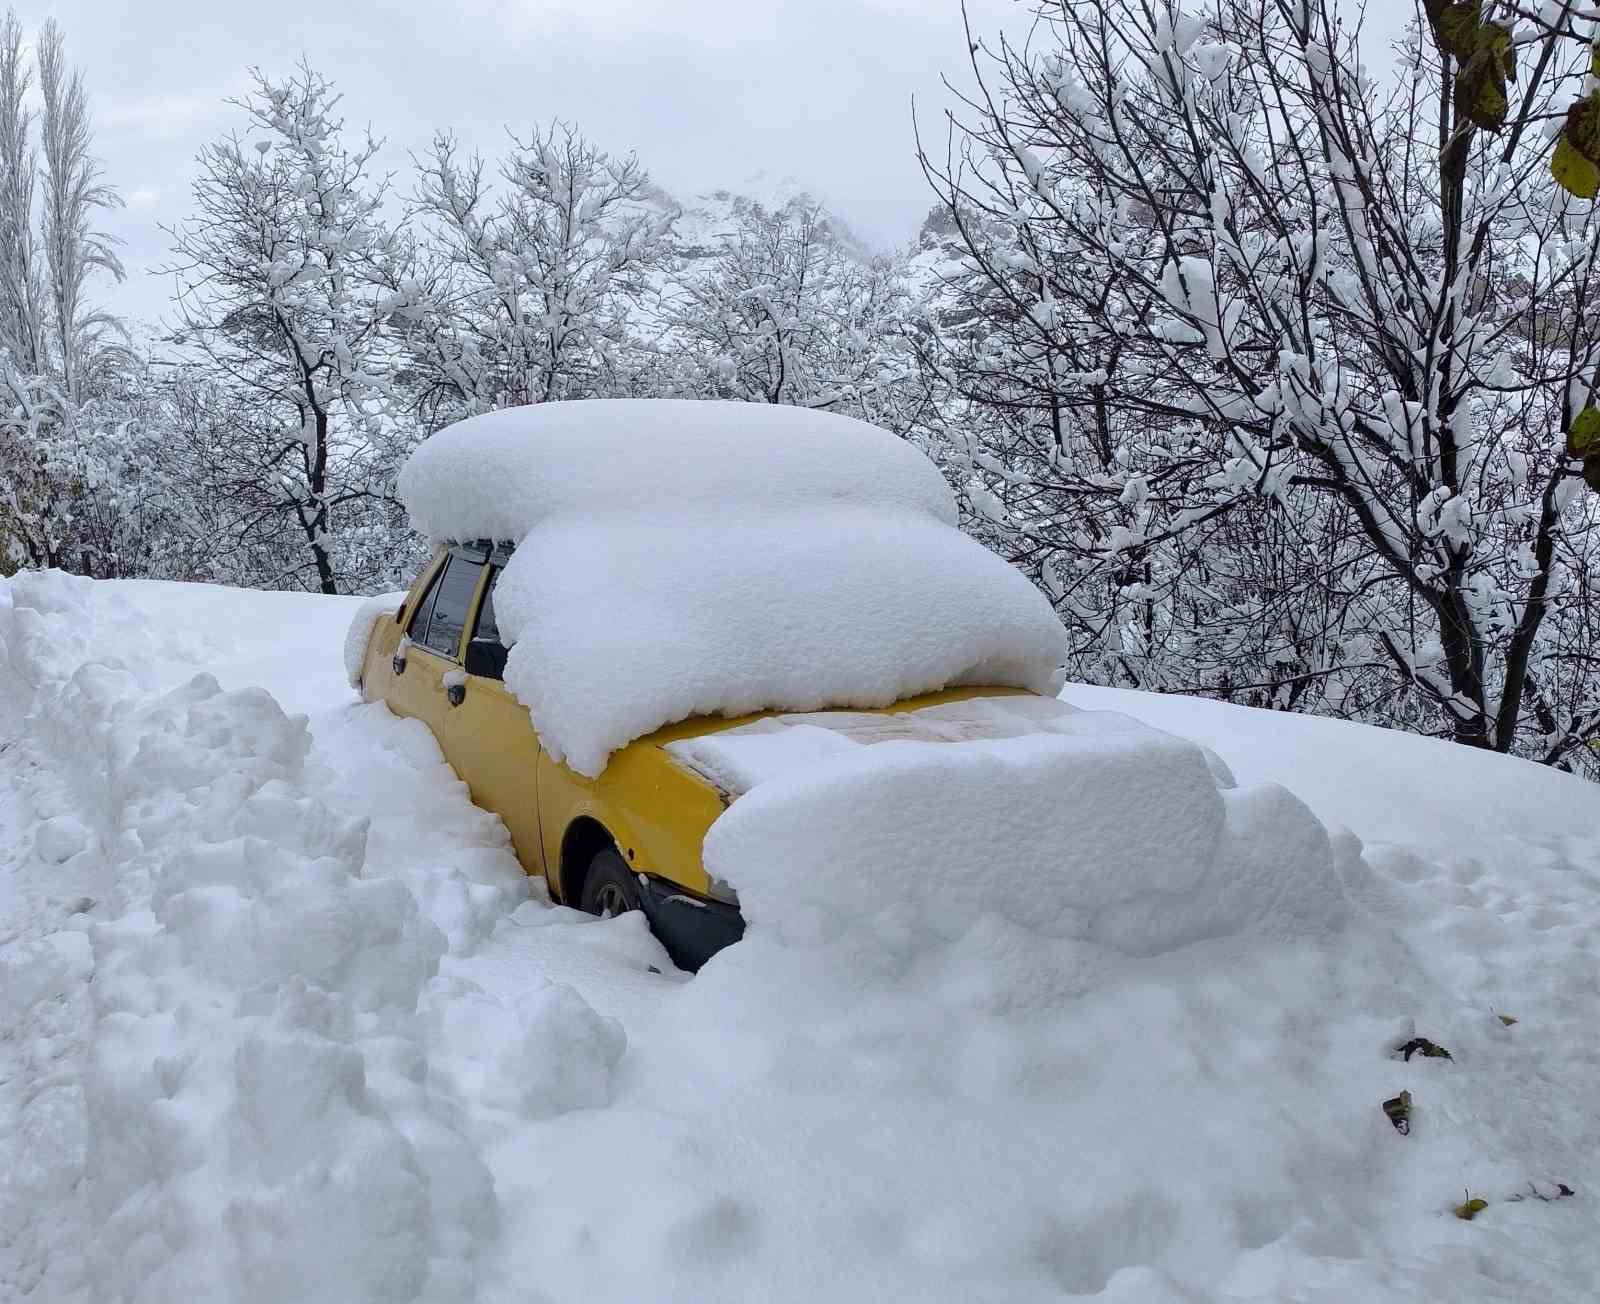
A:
(488, 735)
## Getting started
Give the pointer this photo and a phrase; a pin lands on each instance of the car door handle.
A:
(455, 694)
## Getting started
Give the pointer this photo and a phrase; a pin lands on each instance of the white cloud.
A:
(169, 114)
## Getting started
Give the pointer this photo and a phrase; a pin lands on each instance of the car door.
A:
(489, 737)
(436, 631)
(383, 642)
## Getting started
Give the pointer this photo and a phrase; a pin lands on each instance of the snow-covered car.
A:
(638, 610)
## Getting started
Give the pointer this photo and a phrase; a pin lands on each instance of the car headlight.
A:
(720, 891)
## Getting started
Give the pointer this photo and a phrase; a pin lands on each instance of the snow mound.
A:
(1070, 824)
(497, 475)
(545, 1056)
(1385, 784)
(692, 558)
(254, 1119)
(366, 619)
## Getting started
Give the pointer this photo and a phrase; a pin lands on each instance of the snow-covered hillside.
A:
(283, 1020)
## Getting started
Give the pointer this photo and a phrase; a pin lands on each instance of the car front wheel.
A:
(609, 888)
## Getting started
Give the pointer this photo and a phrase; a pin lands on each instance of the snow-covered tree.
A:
(64, 369)
(533, 280)
(22, 290)
(288, 279)
(213, 518)
(1275, 375)
(779, 305)
(72, 191)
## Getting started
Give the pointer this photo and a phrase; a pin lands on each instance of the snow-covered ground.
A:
(283, 1020)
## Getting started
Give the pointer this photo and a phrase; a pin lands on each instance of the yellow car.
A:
(629, 839)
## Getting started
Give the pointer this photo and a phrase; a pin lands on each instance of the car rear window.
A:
(451, 600)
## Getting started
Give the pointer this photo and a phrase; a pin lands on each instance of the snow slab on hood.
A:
(735, 760)
(679, 558)
(1079, 824)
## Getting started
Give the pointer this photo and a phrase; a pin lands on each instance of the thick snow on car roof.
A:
(681, 558)
(498, 475)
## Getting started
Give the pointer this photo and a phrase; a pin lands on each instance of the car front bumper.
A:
(691, 928)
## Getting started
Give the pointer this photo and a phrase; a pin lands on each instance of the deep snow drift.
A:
(680, 558)
(284, 1020)
(244, 1119)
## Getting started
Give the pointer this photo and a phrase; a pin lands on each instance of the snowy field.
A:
(283, 1020)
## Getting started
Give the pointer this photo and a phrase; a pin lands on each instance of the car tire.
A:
(610, 886)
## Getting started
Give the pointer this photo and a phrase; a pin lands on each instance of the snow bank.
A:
(544, 1056)
(255, 1120)
(685, 558)
(1064, 1013)
(1387, 785)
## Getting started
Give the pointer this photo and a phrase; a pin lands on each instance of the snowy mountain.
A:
(702, 218)
(285, 1020)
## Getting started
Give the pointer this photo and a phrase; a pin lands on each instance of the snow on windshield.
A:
(681, 558)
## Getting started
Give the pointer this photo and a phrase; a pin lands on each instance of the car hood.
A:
(735, 757)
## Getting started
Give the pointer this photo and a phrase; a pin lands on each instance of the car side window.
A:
(488, 628)
(452, 600)
(486, 655)
(418, 625)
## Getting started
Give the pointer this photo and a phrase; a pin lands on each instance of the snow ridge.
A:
(255, 1118)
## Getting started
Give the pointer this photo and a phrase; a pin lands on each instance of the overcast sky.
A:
(711, 93)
